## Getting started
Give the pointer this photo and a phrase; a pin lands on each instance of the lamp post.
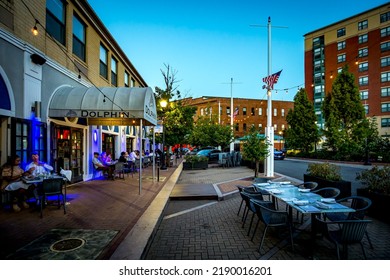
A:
(163, 104)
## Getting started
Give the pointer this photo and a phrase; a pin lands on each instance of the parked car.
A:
(212, 154)
(279, 154)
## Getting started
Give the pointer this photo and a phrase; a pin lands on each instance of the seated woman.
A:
(12, 181)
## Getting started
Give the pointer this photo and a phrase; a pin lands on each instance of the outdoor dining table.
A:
(39, 179)
(302, 200)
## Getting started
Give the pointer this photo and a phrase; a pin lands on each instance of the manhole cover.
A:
(68, 244)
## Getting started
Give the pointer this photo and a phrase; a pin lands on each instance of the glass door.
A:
(76, 160)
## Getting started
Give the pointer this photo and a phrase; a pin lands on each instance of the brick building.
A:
(47, 46)
(362, 42)
(248, 112)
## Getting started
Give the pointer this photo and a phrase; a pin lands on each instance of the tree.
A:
(207, 132)
(177, 118)
(302, 132)
(345, 123)
(255, 148)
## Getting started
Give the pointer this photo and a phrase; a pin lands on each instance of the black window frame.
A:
(114, 74)
(103, 65)
(78, 46)
(341, 32)
(55, 26)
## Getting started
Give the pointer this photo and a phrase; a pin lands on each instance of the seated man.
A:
(38, 167)
(100, 166)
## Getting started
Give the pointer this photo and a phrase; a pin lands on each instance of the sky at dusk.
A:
(209, 42)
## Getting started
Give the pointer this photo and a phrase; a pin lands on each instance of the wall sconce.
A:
(36, 109)
(95, 136)
(34, 30)
(37, 59)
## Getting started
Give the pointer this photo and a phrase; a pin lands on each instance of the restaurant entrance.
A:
(67, 150)
(108, 144)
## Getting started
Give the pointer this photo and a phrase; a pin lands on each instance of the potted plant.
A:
(327, 175)
(195, 162)
(377, 188)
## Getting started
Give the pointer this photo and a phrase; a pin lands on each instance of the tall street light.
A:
(163, 104)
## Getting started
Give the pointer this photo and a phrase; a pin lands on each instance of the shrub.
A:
(195, 158)
(326, 171)
(376, 179)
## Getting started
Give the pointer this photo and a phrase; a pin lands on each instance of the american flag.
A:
(235, 113)
(271, 80)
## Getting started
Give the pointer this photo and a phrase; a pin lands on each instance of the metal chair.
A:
(119, 170)
(359, 203)
(272, 218)
(246, 197)
(308, 185)
(52, 186)
(348, 232)
(327, 192)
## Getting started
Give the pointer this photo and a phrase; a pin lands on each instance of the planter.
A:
(195, 165)
(343, 186)
(380, 206)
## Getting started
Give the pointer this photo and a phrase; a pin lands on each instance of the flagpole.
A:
(231, 113)
(269, 131)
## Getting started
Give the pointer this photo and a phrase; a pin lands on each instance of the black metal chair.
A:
(248, 189)
(52, 186)
(359, 203)
(272, 218)
(347, 232)
(246, 197)
(308, 185)
(327, 192)
(119, 170)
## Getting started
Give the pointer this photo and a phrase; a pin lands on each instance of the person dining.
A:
(99, 165)
(12, 175)
(123, 157)
(38, 167)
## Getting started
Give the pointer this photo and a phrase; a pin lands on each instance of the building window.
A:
(237, 128)
(55, 19)
(114, 70)
(363, 66)
(318, 53)
(201, 111)
(22, 132)
(79, 37)
(275, 112)
(260, 111)
(220, 111)
(385, 61)
(244, 111)
(340, 32)
(364, 95)
(366, 108)
(227, 110)
(385, 92)
(341, 58)
(252, 111)
(385, 107)
(341, 45)
(385, 77)
(385, 31)
(132, 84)
(282, 112)
(363, 52)
(363, 38)
(362, 24)
(244, 127)
(363, 81)
(103, 62)
(260, 125)
(385, 46)
(126, 78)
(275, 127)
(385, 122)
(385, 17)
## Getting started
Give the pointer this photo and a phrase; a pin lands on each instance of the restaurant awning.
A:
(106, 105)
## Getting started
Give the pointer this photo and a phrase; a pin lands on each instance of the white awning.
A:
(105, 106)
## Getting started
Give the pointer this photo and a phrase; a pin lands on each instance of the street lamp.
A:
(163, 104)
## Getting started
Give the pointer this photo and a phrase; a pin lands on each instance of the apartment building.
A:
(362, 42)
(54, 48)
(246, 112)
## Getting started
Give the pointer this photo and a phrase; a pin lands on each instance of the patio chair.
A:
(359, 203)
(246, 197)
(308, 185)
(347, 232)
(53, 186)
(119, 170)
(272, 218)
(247, 189)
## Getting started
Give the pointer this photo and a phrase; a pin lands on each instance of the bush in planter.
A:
(328, 175)
(195, 162)
(377, 182)
(376, 179)
(326, 171)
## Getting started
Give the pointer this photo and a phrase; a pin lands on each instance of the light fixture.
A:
(331, 75)
(34, 30)
(163, 103)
